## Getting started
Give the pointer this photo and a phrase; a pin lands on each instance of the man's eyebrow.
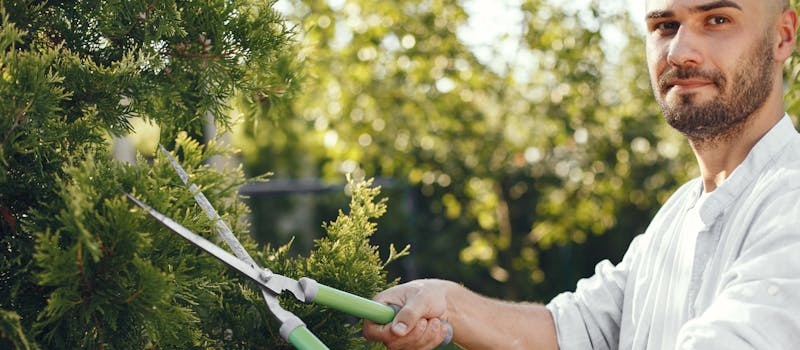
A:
(700, 8)
(659, 14)
(717, 4)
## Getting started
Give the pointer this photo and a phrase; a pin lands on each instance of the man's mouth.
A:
(687, 84)
(689, 79)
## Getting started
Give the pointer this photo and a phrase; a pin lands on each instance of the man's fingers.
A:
(419, 306)
(439, 331)
(377, 332)
(399, 329)
(414, 310)
(415, 337)
(426, 335)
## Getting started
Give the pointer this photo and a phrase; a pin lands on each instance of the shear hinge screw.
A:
(266, 274)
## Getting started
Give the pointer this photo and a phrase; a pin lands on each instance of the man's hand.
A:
(418, 323)
(478, 322)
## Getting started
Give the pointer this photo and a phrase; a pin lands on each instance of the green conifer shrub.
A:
(80, 266)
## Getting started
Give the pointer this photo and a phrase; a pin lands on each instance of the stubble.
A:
(723, 118)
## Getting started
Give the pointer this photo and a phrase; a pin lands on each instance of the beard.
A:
(725, 116)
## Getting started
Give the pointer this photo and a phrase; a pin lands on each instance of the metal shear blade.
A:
(274, 282)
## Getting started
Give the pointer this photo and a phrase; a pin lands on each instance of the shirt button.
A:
(773, 290)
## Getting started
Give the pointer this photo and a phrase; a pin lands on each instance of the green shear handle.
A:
(355, 305)
(346, 302)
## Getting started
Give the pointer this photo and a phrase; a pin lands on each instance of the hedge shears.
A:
(306, 290)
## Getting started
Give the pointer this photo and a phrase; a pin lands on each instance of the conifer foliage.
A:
(80, 266)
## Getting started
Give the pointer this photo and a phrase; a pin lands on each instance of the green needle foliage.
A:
(81, 266)
(343, 259)
(11, 335)
(115, 278)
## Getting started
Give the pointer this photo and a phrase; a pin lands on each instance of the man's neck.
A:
(720, 157)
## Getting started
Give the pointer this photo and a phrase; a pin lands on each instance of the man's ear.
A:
(787, 33)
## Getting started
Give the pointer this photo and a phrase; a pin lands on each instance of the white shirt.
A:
(677, 313)
(728, 278)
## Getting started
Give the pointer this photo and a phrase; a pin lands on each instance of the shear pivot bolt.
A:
(266, 274)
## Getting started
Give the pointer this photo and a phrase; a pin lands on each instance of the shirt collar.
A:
(761, 155)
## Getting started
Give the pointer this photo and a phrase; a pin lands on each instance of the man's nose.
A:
(684, 48)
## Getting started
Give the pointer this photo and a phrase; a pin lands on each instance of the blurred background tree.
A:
(517, 164)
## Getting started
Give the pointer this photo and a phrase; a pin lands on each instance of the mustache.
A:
(673, 73)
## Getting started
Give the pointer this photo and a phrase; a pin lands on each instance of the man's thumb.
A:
(399, 328)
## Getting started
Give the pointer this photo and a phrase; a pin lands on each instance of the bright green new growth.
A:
(344, 259)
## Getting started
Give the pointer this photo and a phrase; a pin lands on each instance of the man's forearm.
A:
(480, 322)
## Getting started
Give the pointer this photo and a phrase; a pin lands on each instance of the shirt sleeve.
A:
(590, 317)
(757, 306)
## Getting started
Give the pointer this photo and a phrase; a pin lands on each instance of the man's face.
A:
(711, 63)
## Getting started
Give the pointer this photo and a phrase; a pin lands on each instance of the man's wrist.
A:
(455, 297)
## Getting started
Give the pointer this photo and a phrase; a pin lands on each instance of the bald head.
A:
(774, 8)
(777, 5)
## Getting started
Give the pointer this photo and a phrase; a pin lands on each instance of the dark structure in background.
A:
(286, 210)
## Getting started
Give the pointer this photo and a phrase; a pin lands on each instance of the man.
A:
(719, 265)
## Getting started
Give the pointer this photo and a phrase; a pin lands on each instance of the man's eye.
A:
(666, 27)
(717, 20)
